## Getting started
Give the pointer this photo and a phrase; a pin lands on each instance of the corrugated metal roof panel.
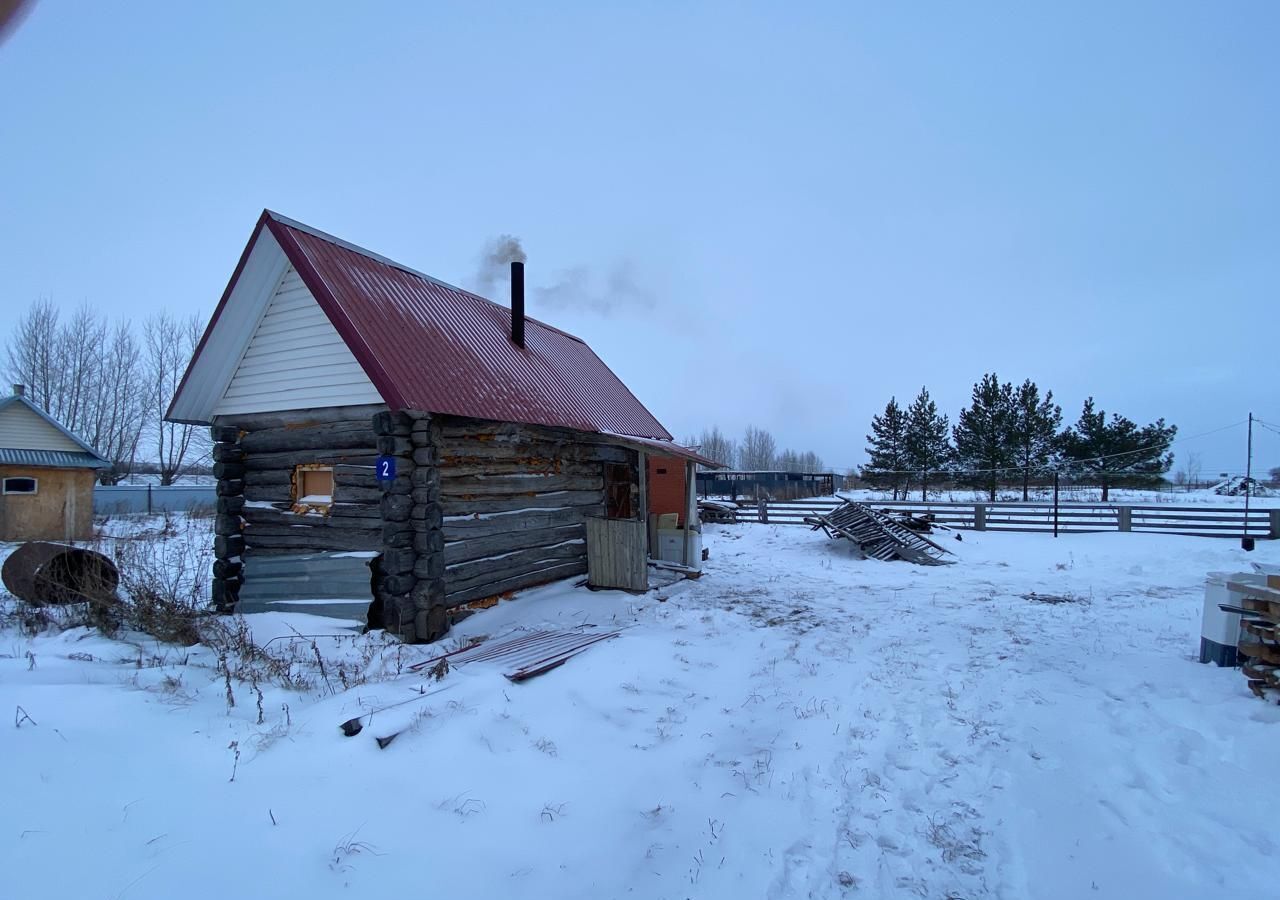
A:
(430, 346)
(51, 459)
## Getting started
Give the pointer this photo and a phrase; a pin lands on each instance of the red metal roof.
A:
(431, 346)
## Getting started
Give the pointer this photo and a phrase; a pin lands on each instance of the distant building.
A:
(46, 475)
(768, 485)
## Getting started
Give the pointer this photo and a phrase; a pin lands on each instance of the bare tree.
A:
(758, 450)
(80, 340)
(33, 354)
(170, 344)
(714, 444)
(118, 404)
(810, 462)
(1193, 467)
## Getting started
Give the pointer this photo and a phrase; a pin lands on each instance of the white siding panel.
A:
(296, 359)
(21, 429)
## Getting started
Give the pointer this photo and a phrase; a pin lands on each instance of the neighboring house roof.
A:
(424, 344)
(31, 437)
(51, 459)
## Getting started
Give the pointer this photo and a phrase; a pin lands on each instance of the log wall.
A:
(477, 508)
(515, 499)
(254, 458)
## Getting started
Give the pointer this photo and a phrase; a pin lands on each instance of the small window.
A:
(20, 485)
(662, 471)
(313, 486)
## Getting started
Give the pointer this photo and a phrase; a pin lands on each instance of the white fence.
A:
(142, 499)
(1070, 518)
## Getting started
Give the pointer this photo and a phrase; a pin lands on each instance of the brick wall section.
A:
(666, 489)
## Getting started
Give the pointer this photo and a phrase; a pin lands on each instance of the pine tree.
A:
(1035, 430)
(1118, 451)
(887, 450)
(984, 435)
(927, 441)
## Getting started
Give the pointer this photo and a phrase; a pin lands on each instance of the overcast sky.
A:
(778, 214)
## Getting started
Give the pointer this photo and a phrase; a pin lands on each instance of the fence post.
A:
(1275, 524)
(148, 499)
(979, 517)
(763, 511)
(1125, 517)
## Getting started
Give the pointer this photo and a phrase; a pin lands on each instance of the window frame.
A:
(299, 480)
(35, 486)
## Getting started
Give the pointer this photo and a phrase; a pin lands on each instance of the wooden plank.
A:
(494, 467)
(456, 529)
(616, 556)
(1267, 653)
(530, 579)
(286, 460)
(318, 539)
(464, 575)
(327, 437)
(456, 507)
(300, 418)
(532, 454)
(256, 516)
(518, 485)
(478, 548)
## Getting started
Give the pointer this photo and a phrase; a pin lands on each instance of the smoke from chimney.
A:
(497, 256)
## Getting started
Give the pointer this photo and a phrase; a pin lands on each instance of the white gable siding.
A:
(21, 429)
(295, 359)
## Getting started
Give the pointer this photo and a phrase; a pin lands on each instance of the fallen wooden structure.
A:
(879, 536)
(1260, 644)
(720, 513)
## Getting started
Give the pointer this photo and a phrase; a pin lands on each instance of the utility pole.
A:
(1246, 542)
(1055, 502)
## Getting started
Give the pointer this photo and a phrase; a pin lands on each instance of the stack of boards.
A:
(1260, 636)
(878, 536)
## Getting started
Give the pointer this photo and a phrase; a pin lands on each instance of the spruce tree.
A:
(984, 435)
(1035, 430)
(1118, 451)
(887, 449)
(927, 440)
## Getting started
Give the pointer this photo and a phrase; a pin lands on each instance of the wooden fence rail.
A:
(1073, 518)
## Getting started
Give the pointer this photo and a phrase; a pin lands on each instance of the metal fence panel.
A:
(143, 499)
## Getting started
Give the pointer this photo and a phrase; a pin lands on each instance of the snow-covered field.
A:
(1029, 722)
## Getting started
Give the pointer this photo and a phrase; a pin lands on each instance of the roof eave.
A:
(213, 321)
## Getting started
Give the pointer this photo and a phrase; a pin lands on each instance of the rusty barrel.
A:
(43, 573)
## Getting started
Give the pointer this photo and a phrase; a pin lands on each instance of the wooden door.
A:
(618, 484)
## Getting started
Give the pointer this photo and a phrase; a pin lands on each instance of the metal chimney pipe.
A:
(19, 390)
(517, 303)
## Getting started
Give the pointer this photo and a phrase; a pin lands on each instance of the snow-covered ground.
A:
(1029, 722)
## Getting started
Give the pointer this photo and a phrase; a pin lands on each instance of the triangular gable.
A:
(213, 383)
(295, 359)
(24, 426)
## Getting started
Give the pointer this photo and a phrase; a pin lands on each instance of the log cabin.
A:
(389, 443)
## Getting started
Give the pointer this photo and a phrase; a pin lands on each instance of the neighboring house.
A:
(46, 475)
(505, 434)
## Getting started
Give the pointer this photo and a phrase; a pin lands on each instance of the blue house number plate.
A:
(386, 468)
